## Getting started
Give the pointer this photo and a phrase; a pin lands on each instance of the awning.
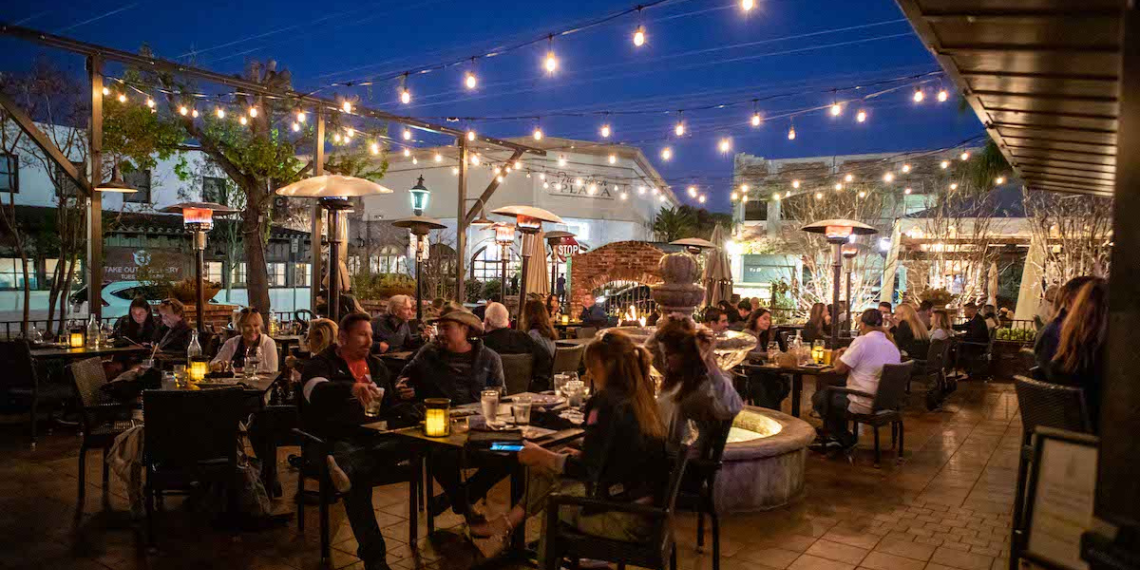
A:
(1043, 76)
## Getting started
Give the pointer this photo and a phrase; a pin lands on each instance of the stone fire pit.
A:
(763, 461)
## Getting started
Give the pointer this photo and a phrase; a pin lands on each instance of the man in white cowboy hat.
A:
(458, 367)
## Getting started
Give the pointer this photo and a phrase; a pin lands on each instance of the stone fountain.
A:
(763, 463)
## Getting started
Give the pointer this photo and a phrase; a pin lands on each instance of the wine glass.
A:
(252, 359)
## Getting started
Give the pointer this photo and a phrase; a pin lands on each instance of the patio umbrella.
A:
(537, 280)
(717, 277)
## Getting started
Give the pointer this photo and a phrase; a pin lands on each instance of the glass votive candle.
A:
(199, 366)
(75, 340)
(437, 419)
(565, 319)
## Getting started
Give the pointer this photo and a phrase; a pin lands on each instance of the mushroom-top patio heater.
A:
(849, 251)
(838, 232)
(528, 220)
(332, 192)
(420, 195)
(504, 237)
(198, 217)
(694, 245)
(559, 239)
(420, 227)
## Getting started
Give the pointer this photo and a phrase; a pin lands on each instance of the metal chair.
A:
(932, 370)
(886, 405)
(191, 436)
(698, 489)
(563, 541)
(518, 369)
(568, 358)
(1042, 404)
(98, 418)
(22, 381)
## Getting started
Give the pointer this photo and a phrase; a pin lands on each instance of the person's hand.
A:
(838, 354)
(405, 391)
(383, 347)
(533, 455)
(366, 393)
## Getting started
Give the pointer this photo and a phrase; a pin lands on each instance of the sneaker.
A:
(339, 478)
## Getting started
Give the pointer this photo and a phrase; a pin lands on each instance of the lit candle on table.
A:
(437, 422)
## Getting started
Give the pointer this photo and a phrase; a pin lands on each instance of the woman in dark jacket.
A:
(138, 324)
(818, 324)
(1079, 360)
(622, 456)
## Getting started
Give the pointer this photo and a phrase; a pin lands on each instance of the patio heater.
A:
(555, 239)
(849, 251)
(837, 232)
(332, 192)
(420, 227)
(528, 220)
(198, 217)
(504, 237)
(694, 245)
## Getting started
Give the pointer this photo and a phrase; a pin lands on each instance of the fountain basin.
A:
(763, 461)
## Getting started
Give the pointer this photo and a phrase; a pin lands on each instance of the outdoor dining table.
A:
(797, 372)
(65, 353)
(457, 440)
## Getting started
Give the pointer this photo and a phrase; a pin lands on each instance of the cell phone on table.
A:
(506, 446)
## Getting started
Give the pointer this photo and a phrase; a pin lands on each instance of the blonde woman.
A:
(940, 326)
(322, 334)
(910, 332)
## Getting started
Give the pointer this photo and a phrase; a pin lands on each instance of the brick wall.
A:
(618, 261)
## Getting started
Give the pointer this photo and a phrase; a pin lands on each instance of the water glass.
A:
(521, 408)
(773, 349)
(490, 401)
(179, 373)
(574, 390)
(252, 359)
(372, 409)
(560, 381)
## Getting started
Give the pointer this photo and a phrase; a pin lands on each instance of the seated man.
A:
(337, 385)
(593, 314)
(459, 368)
(174, 334)
(715, 320)
(234, 350)
(862, 362)
(744, 311)
(502, 339)
(393, 332)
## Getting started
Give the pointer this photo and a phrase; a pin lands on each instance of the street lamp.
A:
(504, 237)
(420, 226)
(198, 217)
(528, 220)
(332, 192)
(420, 195)
(838, 232)
(555, 239)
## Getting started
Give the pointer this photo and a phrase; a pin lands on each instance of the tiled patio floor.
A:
(947, 506)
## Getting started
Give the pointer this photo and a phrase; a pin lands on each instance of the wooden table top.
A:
(63, 352)
(458, 438)
(261, 383)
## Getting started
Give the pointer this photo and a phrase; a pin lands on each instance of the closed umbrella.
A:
(717, 277)
(537, 280)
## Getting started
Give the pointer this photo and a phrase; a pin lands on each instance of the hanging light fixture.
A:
(420, 196)
(116, 183)
(639, 36)
(551, 62)
(405, 93)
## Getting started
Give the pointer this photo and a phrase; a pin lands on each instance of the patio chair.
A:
(101, 418)
(932, 371)
(566, 542)
(22, 382)
(1042, 404)
(568, 358)
(518, 369)
(698, 489)
(190, 437)
(587, 332)
(886, 405)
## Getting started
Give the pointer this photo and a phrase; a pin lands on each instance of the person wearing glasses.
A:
(174, 334)
(235, 349)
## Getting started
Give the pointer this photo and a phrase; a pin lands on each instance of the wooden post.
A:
(95, 199)
(461, 225)
(316, 228)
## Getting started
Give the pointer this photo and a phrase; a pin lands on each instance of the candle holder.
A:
(817, 351)
(565, 319)
(76, 340)
(198, 367)
(437, 417)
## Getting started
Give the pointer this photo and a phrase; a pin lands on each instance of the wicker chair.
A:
(698, 489)
(98, 416)
(1049, 405)
(565, 542)
(22, 382)
(518, 369)
(568, 358)
(886, 405)
(932, 370)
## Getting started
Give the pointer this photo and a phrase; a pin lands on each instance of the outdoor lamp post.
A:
(528, 220)
(198, 217)
(420, 227)
(332, 192)
(838, 232)
(504, 237)
(420, 195)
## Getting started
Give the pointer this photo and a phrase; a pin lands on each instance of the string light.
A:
(747, 5)
(744, 188)
(605, 131)
(336, 138)
(150, 102)
(562, 160)
(862, 194)
(701, 199)
(680, 128)
(253, 112)
(405, 96)
(999, 180)
(943, 95)
(122, 97)
(300, 116)
(613, 159)
(836, 109)
(906, 168)
(537, 134)
(623, 196)
(498, 170)
(964, 156)
(839, 186)
(592, 189)
(243, 120)
(756, 119)
(639, 36)
(578, 182)
(220, 112)
(551, 63)
(776, 196)
(656, 191)
(889, 177)
(542, 176)
(795, 184)
(349, 132)
(438, 157)
(666, 153)
(725, 145)
(408, 152)
(907, 191)
(374, 147)
(346, 107)
(918, 95)
(106, 91)
(861, 116)
(194, 113)
(545, 185)
(641, 190)
(732, 197)
(953, 185)
(518, 165)
(183, 111)
(455, 170)
(296, 126)
(944, 164)
(819, 195)
(470, 81)
(499, 179)
(849, 178)
(407, 134)
(692, 191)
(470, 134)
(792, 133)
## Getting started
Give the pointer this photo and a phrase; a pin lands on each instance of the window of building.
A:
(49, 271)
(755, 211)
(276, 274)
(67, 187)
(214, 271)
(486, 264)
(237, 275)
(12, 273)
(302, 275)
(139, 180)
(214, 189)
(9, 173)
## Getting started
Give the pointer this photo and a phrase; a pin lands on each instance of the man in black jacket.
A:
(975, 325)
(502, 339)
(393, 332)
(337, 386)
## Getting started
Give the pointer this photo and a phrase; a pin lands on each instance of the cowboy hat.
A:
(463, 317)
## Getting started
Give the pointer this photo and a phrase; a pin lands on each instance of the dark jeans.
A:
(832, 408)
(366, 459)
(446, 468)
(768, 389)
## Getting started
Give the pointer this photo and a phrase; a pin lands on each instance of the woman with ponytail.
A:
(622, 456)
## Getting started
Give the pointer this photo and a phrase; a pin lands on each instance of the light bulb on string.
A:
(122, 97)
(405, 93)
(744, 188)
(545, 185)
(578, 182)
(756, 119)
(862, 194)
(836, 109)
(795, 184)
(220, 112)
(666, 153)
(613, 159)
(194, 113)
(861, 116)
(296, 126)
(300, 116)
(415, 160)
(732, 197)
(498, 169)
(592, 189)
(907, 191)
(470, 81)
(964, 156)
(106, 91)
(183, 110)
(792, 133)
(551, 61)
(692, 191)
(470, 134)
(542, 176)
(639, 36)
(944, 164)
(407, 152)
(606, 131)
(455, 170)
(838, 186)
(253, 112)
(655, 191)
(640, 190)
(349, 132)
(438, 157)
(346, 107)
(701, 199)
(374, 147)
(243, 120)
(725, 145)
(889, 177)
(747, 5)
(906, 168)
(943, 95)
(407, 134)
(776, 196)
(150, 102)
(819, 195)
(918, 95)
(336, 138)
(499, 179)
(679, 129)
(849, 178)
(999, 180)
(953, 185)
(537, 133)
(561, 160)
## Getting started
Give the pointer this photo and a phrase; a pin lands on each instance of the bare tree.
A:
(1074, 232)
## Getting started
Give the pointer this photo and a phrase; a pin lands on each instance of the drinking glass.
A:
(372, 409)
(179, 373)
(490, 401)
(574, 391)
(560, 381)
(521, 408)
(252, 359)
(773, 349)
